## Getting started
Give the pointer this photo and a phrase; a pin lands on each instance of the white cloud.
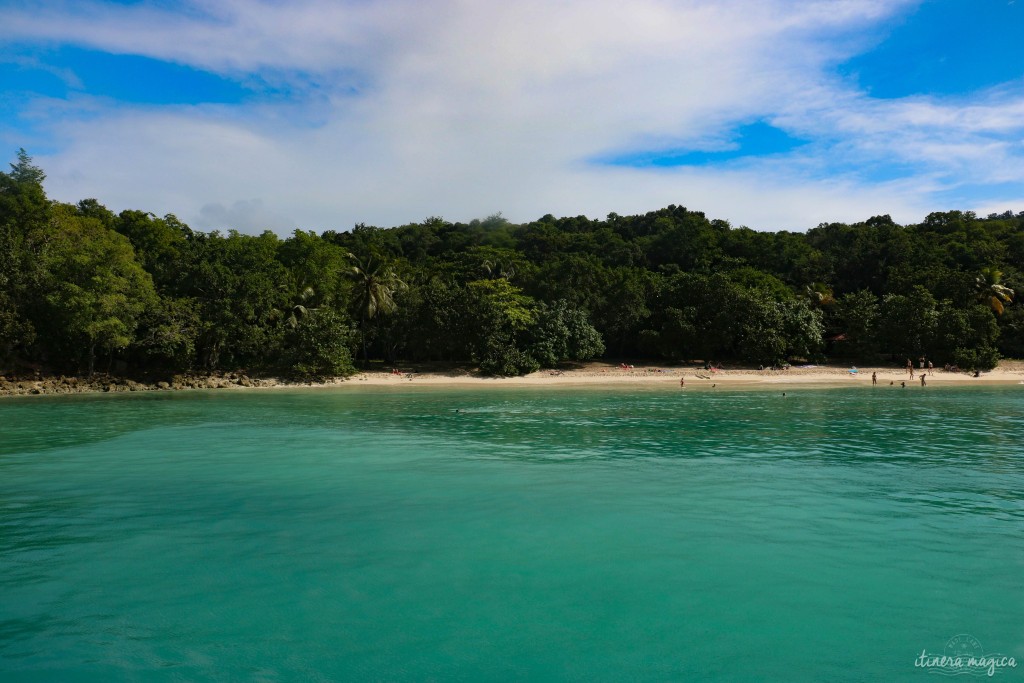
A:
(465, 108)
(245, 216)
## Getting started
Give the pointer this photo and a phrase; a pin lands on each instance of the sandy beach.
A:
(595, 374)
(611, 374)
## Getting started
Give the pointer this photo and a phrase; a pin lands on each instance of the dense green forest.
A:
(84, 290)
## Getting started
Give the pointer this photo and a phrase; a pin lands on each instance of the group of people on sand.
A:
(910, 367)
(910, 371)
(922, 375)
(874, 380)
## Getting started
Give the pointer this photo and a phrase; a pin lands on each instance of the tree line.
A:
(83, 289)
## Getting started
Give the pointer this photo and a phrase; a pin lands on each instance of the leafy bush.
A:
(563, 333)
(505, 360)
(983, 358)
(320, 346)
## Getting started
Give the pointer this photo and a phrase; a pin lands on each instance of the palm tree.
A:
(302, 308)
(376, 284)
(991, 291)
(498, 269)
(819, 294)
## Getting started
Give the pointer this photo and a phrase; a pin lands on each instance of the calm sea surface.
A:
(583, 535)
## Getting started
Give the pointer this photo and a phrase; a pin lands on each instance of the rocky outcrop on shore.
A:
(38, 384)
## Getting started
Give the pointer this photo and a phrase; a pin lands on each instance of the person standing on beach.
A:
(910, 368)
(874, 378)
(682, 382)
(922, 379)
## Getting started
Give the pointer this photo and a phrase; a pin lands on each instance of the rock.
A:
(163, 385)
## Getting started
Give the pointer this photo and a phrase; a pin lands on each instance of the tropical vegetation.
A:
(83, 289)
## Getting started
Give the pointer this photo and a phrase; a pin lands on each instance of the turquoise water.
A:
(584, 535)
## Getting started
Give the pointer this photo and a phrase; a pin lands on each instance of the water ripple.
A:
(428, 534)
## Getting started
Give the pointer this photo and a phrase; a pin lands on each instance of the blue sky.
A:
(776, 114)
(66, 70)
(947, 47)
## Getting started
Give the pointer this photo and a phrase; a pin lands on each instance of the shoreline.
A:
(594, 375)
(603, 375)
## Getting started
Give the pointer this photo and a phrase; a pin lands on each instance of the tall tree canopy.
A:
(80, 285)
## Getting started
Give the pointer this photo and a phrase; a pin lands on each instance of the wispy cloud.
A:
(394, 110)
